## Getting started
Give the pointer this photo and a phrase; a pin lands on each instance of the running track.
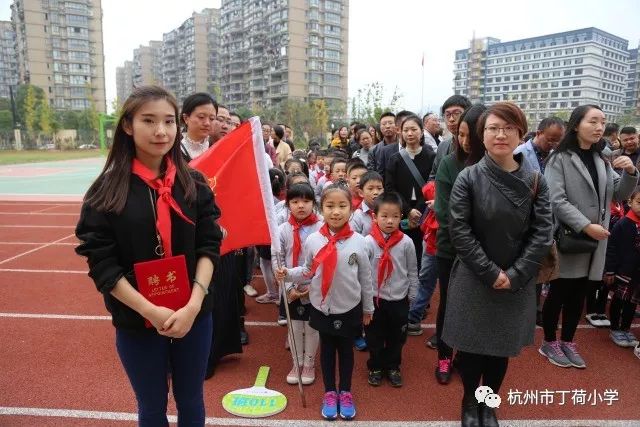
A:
(58, 365)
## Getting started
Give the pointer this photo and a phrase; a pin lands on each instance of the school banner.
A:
(237, 172)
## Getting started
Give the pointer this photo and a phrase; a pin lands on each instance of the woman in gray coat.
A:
(582, 184)
(500, 226)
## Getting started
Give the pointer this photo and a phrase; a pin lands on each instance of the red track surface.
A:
(72, 364)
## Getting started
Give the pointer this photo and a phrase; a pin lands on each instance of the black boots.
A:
(470, 412)
(488, 416)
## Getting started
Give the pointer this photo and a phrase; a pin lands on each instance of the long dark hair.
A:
(570, 140)
(109, 191)
(471, 117)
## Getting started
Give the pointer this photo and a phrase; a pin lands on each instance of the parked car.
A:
(87, 147)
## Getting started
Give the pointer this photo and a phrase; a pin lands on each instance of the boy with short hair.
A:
(370, 187)
(395, 276)
(355, 171)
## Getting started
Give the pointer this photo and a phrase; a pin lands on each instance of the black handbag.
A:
(570, 242)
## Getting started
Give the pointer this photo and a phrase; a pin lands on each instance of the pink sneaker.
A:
(292, 376)
(308, 375)
(267, 299)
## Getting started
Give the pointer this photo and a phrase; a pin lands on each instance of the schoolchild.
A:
(293, 233)
(341, 295)
(395, 275)
(370, 188)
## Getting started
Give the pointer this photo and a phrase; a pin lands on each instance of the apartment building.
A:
(548, 74)
(60, 49)
(632, 90)
(8, 59)
(273, 50)
(147, 64)
(124, 82)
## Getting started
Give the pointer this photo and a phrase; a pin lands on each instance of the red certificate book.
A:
(164, 282)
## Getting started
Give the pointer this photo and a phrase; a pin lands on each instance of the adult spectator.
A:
(365, 142)
(268, 144)
(222, 125)
(500, 234)
(452, 109)
(582, 185)
(385, 153)
(536, 150)
(198, 116)
(389, 136)
(283, 150)
(288, 136)
(630, 146)
(611, 136)
(431, 130)
(236, 120)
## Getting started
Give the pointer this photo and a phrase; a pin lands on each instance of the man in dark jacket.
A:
(452, 110)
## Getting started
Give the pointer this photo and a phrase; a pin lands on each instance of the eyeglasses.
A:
(495, 130)
(223, 121)
(455, 114)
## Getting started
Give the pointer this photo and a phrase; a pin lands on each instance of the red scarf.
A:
(165, 201)
(327, 256)
(297, 245)
(633, 217)
(356, 202)
(385, 266)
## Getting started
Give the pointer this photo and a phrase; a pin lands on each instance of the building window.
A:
(577, 82)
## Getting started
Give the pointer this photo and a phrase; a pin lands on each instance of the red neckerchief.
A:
(327, 256)
(385, 266)
(633, 217)
(165, 201)
(356, 202)
(297, 245)
(370, 212)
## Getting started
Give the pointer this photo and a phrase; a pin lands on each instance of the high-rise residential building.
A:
(124, 82)
(548, 74)
(632, 90)
(190, 55)
(147, 64)
(278, 49)
(60, 49)
(8, 59)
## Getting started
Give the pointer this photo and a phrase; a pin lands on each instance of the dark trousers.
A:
(621, 313)
(474, 368)
(416, 236)
(330, 347)
(597, 297)
(146, 356)
(565, 296)
(444, 266)
(386, 334)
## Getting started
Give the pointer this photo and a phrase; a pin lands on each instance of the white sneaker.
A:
(594, 320)
(604, 322)
(308, 375)
(250, 290)
(292, 376)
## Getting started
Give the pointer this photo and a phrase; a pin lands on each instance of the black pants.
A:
(597, 297)
(329, 346)
(566, 296)
(444, 266)
(416, 236)
(621, 313)
(386, 335)
(474, 368)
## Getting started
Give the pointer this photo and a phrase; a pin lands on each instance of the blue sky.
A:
(387, 38)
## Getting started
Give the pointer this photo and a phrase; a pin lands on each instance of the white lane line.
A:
(37, 226)
(38, 243)
(46, 209)
(26, 270)
(35, 249)
(41, 213)
(262, 422)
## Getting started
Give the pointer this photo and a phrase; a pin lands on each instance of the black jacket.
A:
(495, 224)
(623, 250)
(113, 243)
(398, 177)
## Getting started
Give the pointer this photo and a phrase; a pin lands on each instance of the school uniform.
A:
(387, 332)
(362, 219)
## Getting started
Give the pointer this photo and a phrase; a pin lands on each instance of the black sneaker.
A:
(375, 378)
(394, 378)
(414, 329)
(432, 342)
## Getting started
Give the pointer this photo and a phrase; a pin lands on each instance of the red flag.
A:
(237, 172)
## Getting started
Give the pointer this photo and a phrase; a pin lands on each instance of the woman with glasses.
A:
(582, 184)
(500, 228)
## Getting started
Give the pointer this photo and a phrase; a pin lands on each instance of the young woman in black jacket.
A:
(145, 205)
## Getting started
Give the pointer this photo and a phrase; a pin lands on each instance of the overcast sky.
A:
(387, 38)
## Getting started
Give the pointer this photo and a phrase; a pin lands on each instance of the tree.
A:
(369, 103)
(37, 95)
(6, 120)
(628, 118)
(320, 118)
(46, 119)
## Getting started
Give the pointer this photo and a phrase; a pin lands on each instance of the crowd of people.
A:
(492, 215)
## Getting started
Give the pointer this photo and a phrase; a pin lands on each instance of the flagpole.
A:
(422, 87)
